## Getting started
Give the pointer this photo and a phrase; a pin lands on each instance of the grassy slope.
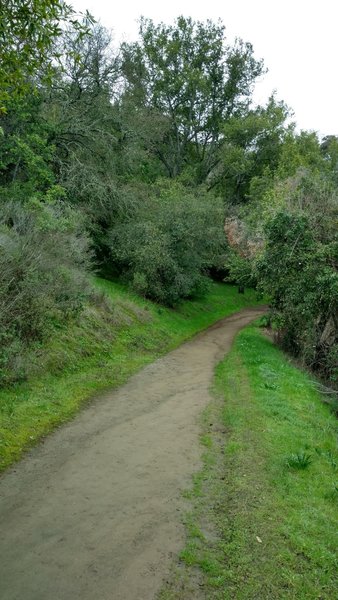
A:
(102, 349)
(260, 528)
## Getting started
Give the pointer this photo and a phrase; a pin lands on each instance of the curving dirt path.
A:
(94, 512)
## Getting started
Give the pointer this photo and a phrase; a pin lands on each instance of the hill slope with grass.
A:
(112, 338)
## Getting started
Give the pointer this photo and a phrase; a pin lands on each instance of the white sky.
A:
(298, 40)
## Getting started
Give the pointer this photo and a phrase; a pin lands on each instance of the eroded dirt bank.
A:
(94, 512)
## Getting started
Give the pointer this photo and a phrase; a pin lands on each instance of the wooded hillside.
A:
(150, 163)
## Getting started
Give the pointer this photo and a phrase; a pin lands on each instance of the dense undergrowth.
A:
(102, 347)
(265, 502)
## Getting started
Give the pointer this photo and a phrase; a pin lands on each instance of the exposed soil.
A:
(93, 513)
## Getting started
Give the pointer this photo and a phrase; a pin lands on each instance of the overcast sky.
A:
(298, 40)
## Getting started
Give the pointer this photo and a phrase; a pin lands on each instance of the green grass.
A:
(99, 350)
(263, 523)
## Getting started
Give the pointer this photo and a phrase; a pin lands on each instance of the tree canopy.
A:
(187, 73)
(28, 30)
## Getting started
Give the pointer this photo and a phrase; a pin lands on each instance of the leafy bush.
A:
(44, 255)
(299, 270)
(169, 242)
(240, 270)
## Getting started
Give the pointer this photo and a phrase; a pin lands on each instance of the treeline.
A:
(149, 162)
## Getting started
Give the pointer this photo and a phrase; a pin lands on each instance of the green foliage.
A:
(240, 270)
(169, 242)
(294, 158)
(298, 269)
(44, 255)
(252, 144)
(302, 150)
(187, 73)
(26, 153)
(28, 30)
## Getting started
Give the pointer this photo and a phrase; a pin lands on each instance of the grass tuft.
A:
(299, 460)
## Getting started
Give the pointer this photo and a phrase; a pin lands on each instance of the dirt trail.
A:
(94, 512)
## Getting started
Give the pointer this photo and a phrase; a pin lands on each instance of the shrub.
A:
(298, 269)
(168, 243)
(240, 271)
(44, 256)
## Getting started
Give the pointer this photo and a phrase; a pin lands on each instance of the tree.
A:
(169, 241)
(83, 127)
(187, 73)
(26, 154)
(251, 147)
(28, 30)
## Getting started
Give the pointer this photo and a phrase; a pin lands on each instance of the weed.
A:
(270, 386)
(333, 493)
(299, 460)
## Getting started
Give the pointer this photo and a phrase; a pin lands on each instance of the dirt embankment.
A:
(94, 512)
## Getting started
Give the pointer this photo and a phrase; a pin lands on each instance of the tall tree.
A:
(251, 147)
(187, 73)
